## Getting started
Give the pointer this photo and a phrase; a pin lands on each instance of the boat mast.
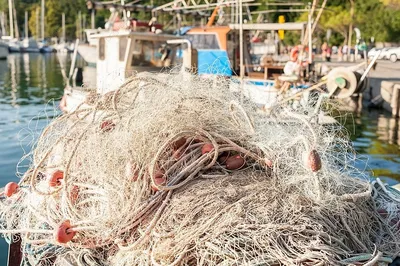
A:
(15, 21)
(42, 22)
(63, 27)
(92, 19)
(26, 25)
(37, 24)
(123, 10)
(3, 27)
(10, 11)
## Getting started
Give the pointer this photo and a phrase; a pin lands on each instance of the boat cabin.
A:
(218, 48)
(121, 54)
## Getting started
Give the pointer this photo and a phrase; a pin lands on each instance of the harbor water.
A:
(31, 86)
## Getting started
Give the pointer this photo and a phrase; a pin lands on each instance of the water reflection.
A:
(388, 130)
(376, 138)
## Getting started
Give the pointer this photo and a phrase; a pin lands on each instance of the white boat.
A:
(88, 51)
(62, 48)
(120, 54)
(29, 45)
(44, 48)
(14, 46)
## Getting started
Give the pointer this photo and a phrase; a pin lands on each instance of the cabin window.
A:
(149, 54)
(102, 49)
(123, 42)
(204, 41)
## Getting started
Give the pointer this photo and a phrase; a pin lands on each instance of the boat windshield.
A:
(204, 41)
(148, 53)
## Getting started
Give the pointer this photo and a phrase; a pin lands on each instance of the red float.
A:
(235, 162)
(10, 189)
(208, 147)
(63, 234)
(55, 178)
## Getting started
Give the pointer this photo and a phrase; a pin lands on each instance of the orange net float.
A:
(55, 178)
(63, 233)
(10, 189)
(235, 162)
(159, 180)
(208, 147)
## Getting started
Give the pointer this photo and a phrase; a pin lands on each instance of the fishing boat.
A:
(29, 45)
(14, 46)
(115, 23)
(120, 55)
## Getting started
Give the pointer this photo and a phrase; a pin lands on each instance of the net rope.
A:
(173, 169)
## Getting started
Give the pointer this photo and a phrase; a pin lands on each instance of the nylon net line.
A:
(172, 169)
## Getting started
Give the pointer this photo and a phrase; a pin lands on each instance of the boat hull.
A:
(29, 50)
(88, 53)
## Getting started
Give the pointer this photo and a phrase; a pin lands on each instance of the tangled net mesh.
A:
(178, 170)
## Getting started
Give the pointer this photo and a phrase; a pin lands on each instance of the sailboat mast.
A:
(15, 21)
(37, 24)
(26, 25)
(63, 27)
(42, 22)
(10, 11)
(92, 18)
(3, 27)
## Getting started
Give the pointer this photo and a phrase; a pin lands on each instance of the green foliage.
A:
(375, 18)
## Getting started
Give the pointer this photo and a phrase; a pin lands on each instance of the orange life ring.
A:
(294, 53)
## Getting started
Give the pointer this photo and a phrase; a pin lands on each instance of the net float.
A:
(63, 234)
(208, 147)
(235, 162)
(131, 171)
(314, 161)
(10, 189)
(159, 180)
(55, 178)
(107, 125)
(159, 174)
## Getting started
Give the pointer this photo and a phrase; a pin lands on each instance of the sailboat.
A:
(14, 45)
(62, 46)
(29, 45)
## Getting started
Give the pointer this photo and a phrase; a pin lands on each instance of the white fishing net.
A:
(173, 169)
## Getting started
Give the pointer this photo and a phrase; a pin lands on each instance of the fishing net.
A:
(173, 169)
